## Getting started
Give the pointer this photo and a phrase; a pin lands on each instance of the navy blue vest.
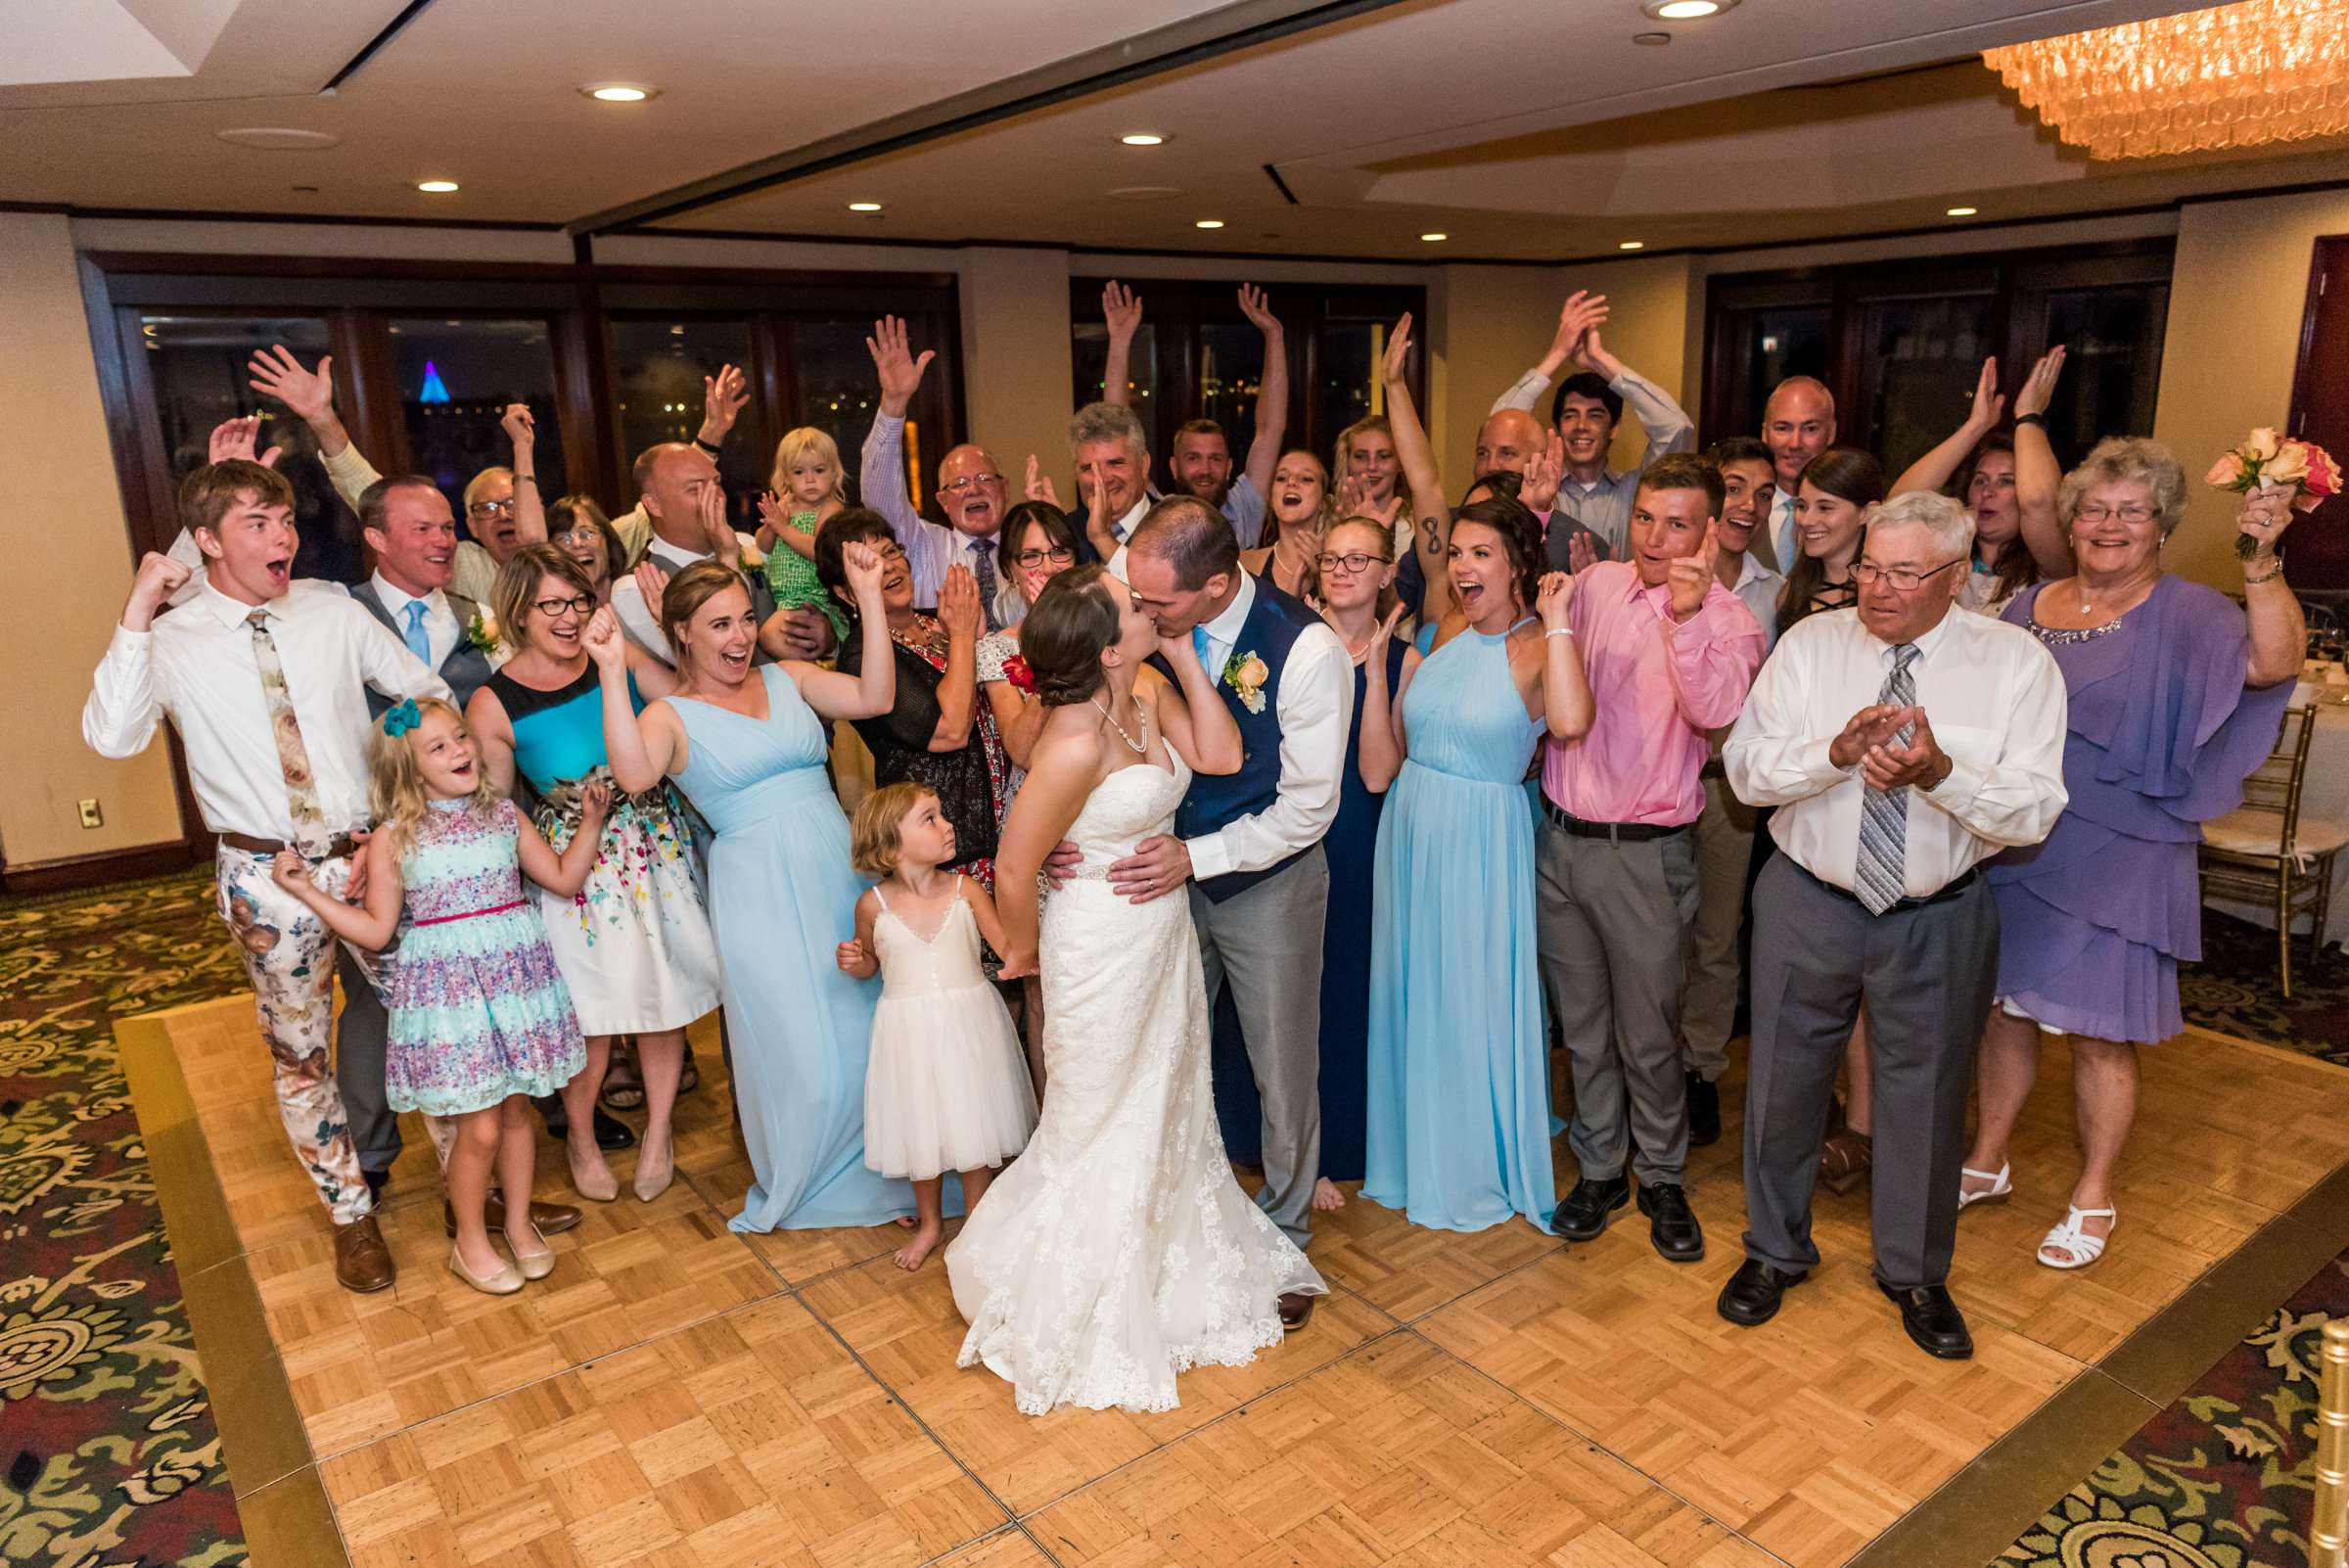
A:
(1268, 630)
(465, 669)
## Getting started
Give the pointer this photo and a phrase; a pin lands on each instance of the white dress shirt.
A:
(1759, 588)
(197, 665)
(1315, 707)
(1996, 702)
(441, 628)
(640, 620)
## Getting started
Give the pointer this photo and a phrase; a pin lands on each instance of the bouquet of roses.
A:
(2267, 461)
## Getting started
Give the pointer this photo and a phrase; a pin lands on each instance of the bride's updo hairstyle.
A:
(1063, 634)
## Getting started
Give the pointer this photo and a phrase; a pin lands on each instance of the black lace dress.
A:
(971, 781)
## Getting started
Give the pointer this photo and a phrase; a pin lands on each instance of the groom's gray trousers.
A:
(1265, 943)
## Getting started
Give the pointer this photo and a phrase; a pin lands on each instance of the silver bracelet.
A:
(1558, 631)
(2269, 575)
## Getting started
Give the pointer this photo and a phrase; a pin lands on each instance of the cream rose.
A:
(2262, 445)
(2290, 465)
(1253, 672)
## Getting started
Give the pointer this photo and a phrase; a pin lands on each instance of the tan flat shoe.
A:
(535, 1262)
(504, 1282)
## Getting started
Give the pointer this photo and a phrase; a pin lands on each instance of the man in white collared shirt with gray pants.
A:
(1902, 742)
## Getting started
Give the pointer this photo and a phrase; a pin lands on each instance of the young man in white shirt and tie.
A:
(265, 681)
(1904, 741)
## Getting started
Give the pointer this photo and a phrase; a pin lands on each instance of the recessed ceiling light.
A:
(1143, 139)
(1963, 212)
(1632, 245)
(1208, 223)
(1685, 10)
(864, 207)
(619, 92)
(436, 187)
(1433, 236)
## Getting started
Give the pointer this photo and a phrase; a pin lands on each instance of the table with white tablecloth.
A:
(2324, 796)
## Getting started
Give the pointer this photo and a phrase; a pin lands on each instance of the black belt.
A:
(1949, 890)
(1713, 769)
(1618, 832)
(339, 848)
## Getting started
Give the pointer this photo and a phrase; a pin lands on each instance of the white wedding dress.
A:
(1117, 1250)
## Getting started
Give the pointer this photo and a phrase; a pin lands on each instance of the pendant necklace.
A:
(1140, 747)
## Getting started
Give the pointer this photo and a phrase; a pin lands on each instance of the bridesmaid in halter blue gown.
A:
(746, 747)
(1460, 1122)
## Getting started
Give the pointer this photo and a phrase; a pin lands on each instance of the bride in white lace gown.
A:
(1116, 1251)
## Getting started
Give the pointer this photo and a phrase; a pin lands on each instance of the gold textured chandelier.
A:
(2238, 76)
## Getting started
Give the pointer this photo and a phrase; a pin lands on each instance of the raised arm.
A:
(1664, 423)
(723, 398)
(958, 688)
(1431, 536)
(1567, 707)
(1932, 472)
(2279, 626)
(1194, 720)
(1273, 397)
(873, 689)
(2037, 473)
(118, 717)
(1121, 308)
(530, 507)
(881, 471)
(640, 750)
(1581, 311)
(311, 394)
(1382, 746)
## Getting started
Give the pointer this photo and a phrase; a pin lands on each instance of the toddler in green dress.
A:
(807, 488)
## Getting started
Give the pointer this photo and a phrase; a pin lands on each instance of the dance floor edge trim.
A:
(289, 1522)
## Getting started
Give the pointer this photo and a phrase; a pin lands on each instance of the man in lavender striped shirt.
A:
(970, 487)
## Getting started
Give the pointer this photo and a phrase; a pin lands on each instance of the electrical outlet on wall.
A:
(91, 816)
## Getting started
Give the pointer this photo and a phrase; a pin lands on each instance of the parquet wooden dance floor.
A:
(677, 1396)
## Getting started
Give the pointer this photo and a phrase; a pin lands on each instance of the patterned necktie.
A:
(418, 643)
(310, 835)
(1880, 877)
(983, 567)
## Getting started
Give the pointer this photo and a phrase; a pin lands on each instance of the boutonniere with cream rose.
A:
(2267, 461)
(1244, 673)
(481, 632)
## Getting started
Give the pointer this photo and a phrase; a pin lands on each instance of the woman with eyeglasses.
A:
(1299, 506)
(634, 945)
(578, 526)
(1354, 566)
(2175, 695)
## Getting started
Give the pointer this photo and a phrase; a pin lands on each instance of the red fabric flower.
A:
(1016, 670)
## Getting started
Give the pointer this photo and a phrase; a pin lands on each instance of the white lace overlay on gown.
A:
(1117, 1250)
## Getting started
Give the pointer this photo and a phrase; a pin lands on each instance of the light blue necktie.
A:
(418, 643)
(1199, 646)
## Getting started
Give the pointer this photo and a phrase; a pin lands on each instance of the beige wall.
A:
(1017, 382)
(67, 520)
(2237, 299)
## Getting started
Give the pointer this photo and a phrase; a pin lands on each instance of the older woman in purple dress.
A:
(2175, 697)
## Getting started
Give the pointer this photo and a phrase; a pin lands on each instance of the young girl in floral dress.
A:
(481, 1021)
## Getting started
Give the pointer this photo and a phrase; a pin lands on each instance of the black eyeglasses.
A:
(577, 604)
(1351, 563)
(1865, 573)
(1058, 555)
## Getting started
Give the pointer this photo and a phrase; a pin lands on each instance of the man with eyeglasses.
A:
(1903, 741)
(970, 487)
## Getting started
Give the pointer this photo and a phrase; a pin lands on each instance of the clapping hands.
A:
(958, 607)
(2039, 387)
(1890, 766)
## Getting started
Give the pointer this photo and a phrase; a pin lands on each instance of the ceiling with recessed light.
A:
(1525, 129)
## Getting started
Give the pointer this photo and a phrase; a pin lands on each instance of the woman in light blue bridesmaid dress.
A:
(1460, 1122)
(746, 747)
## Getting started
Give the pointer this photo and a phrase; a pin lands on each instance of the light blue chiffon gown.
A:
(782, 898)
(1459, 1117)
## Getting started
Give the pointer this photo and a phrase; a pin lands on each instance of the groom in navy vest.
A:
(1249, 843)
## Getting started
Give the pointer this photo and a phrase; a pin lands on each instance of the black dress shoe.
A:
(1933, 1321)
(610, 1132)
(553, 1115)
(1751, 1296)
(1672, 1223)
(1704, 1112)
(1583, 1217)
(376, 1182)
(1296, 1310)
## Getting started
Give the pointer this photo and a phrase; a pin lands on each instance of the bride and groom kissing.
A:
(1176, 801)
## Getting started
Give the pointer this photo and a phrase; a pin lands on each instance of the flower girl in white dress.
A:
(946, 1088)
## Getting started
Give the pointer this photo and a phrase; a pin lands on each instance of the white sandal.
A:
(2084, 1248)
(2001, 1189)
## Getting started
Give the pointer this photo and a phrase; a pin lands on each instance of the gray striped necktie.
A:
(983, 567)
(1880, 877)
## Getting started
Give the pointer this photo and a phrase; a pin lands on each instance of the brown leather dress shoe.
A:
(548, 1219)
(362, 1263)
(1296, 1310)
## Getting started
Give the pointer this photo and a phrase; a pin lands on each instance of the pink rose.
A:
(2226, 473)
(2290, 465)
(2323, 474)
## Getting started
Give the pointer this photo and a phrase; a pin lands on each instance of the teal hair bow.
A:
(402, 718)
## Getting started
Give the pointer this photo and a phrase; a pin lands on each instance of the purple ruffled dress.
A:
(2093, 921)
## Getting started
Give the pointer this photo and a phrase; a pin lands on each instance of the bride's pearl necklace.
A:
(1140, 747)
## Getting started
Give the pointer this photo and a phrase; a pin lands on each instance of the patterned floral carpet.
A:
(2235, 991)
(2221, 1479)
(105, 1431)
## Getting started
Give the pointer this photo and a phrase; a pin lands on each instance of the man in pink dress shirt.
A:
(1670, 654)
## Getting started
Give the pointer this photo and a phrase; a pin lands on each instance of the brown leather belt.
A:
(341, 845)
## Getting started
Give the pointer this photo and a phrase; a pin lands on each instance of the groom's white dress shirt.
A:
(1314, 706)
